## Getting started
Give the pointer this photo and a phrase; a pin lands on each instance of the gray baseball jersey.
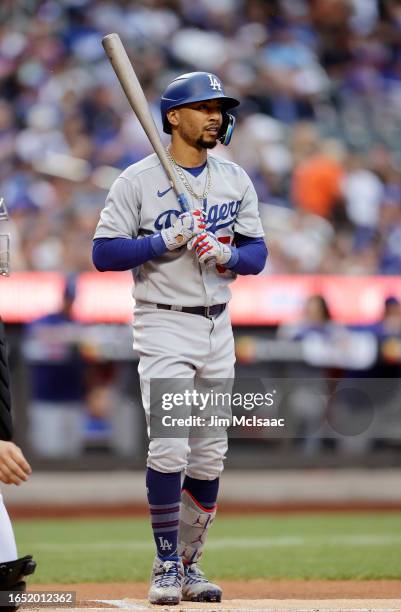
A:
(141, 202)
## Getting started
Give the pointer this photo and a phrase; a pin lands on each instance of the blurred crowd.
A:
(83, 393)
(319, 127)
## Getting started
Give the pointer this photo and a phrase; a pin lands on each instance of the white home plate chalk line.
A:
(278, 606)
(123, 605)
(323, 606)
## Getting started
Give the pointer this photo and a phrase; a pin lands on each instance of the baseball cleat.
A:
(166, 582)
(197, 587)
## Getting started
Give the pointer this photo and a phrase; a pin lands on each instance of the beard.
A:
(206, 144)
(201, 142)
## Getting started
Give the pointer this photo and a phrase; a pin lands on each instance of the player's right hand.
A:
(187, 225)
(14, 468)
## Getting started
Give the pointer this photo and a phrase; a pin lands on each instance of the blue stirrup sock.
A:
(164, 495)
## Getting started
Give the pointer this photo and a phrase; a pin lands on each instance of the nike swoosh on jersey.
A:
(162, 193)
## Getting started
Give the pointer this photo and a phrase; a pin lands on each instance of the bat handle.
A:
(210, 262)
(183, 202)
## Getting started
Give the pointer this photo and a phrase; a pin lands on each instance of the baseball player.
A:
(182, 328)
(14, 469)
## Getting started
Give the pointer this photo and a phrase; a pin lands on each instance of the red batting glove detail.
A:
(199, 239)
(204, 250)
(201, 245)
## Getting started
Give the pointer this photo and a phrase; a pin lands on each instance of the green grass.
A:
(341, 546)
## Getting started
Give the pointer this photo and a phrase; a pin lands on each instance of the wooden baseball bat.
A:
(125, 72)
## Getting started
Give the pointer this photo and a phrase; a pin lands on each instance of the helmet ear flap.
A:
(227, 128)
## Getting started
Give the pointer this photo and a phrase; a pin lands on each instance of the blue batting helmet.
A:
(195, 87)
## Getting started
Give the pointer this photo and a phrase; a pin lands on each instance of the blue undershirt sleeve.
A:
(249, 255)
(117, 254)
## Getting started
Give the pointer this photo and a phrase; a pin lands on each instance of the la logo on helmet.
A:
(214, 83)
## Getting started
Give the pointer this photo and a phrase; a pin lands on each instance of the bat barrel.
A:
(125, 72)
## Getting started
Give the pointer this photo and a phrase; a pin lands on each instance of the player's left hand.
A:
(207, 247)
(14, 468)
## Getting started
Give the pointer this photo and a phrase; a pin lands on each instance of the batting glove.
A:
(186, 226)
(208, 248)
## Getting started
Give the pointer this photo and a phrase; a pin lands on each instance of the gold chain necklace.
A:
(181, 174)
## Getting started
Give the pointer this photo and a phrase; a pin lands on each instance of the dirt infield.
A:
(237, 605)
(247, 589)
(267, 595)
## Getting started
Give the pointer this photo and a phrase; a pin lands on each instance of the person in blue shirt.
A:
(57, 406)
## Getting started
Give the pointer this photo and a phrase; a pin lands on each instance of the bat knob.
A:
(210, 262)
